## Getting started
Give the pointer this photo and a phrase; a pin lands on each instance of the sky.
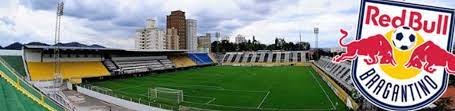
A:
(112, 23)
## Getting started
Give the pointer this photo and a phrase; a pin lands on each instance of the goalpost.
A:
(166, 94)
(102, 90)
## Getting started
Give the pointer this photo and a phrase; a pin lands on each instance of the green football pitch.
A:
(234, 88)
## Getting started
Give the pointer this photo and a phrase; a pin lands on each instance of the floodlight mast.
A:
(300, 41)
(58, 77)
(316, 32)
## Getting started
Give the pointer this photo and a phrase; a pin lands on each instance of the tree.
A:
(215, 47)
(254, 40)
(303, 46)
(254, 45)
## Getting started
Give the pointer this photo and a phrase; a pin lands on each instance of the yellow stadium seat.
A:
(76, 81)
(182, 61)
(45, 70)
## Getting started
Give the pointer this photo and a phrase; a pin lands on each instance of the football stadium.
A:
(260, 63)
(171, 80)
(232, 88)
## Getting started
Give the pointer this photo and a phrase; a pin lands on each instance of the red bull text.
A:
(401, 56)
(412, 18)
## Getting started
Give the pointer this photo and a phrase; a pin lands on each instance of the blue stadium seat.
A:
(200, 58)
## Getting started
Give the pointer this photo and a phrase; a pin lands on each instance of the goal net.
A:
(102, 90)
(166, 95)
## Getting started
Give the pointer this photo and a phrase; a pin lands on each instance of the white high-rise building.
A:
(240, 39)
(191, 34)
(150, 37)
(172, 41)
(217, 36)
(204, 43)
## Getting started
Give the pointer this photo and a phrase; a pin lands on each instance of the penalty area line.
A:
(211, 101)
(263, 99)
(320, 86)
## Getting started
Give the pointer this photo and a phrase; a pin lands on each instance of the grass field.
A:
(236, 88)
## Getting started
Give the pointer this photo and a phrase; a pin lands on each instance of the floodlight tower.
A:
(316, 32)
(300, 41)
(58, 77)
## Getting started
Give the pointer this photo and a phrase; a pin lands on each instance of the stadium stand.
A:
(340, 72)
(72, 58)
(12, 100)
(110, 65)
(181, 60)
(12, 77)
(217, 57)
(16, 62)
(200, 58)
(265, 57)
(129, 65)
(45, 70)
(213, 57)
(339, 86)
(167, 63)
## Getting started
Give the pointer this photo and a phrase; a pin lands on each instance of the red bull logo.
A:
(432, 56)
(401, 56)
(374, 47)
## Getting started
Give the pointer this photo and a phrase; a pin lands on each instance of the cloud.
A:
(301, 17)
(287, 21)
(113, 22)
(27, 25)
(88, 9)
(40, 4)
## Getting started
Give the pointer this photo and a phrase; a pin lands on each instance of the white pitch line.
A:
(134, 87)
(198, 96)
(211, 101)
(214, 88)
(263, 99)
(253, 108)
(192, 86)
(312, 74)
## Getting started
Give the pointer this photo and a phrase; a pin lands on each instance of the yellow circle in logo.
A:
(401, 57)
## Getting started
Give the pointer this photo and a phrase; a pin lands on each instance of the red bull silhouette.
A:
(374, 47)
(430, 55)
